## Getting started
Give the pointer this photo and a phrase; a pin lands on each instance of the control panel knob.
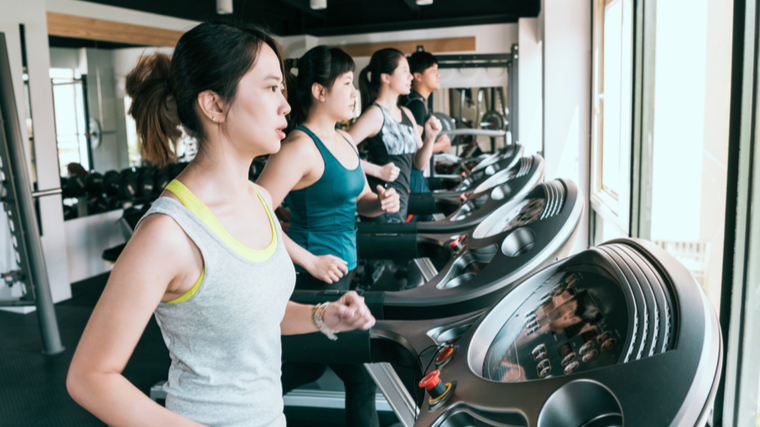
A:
(457, 243)
(463, 174)
(444, 355)
(434, 386)
(463, 197)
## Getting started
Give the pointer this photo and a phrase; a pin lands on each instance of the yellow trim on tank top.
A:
(189, 294)
(188, 199)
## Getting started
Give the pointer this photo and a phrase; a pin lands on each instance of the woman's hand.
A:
(348, 313)
(432, 128)
(389, 172)
(389, 199)
(327, 268)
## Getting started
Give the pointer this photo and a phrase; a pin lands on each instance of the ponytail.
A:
(155, 116)
(384, 61)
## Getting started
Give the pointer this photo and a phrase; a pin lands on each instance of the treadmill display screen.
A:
(575, 321)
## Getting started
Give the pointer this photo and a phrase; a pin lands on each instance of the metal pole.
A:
(22, 198)
(513, 120)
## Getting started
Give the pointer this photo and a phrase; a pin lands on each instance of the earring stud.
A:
(213, 119)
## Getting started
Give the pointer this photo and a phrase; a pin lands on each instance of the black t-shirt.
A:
(417, 105)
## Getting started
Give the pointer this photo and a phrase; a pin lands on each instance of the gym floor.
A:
(33, 386)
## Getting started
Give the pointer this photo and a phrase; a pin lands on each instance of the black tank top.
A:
(396, 142)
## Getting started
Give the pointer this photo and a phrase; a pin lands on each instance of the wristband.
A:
(318, 317)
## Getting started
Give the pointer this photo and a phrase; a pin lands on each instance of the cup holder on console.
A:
(500, 192)
(470, 207)
(518, 242)
(581, 403)
(466, 267)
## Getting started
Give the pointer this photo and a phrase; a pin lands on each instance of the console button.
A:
(539, 353)
(568, 359)
(608, 344)
(569, 369)
(603, 337)
(586, 347)
(544, 372)
(591, 355)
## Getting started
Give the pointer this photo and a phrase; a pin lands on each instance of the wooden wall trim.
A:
(80, 27)
(453, 44)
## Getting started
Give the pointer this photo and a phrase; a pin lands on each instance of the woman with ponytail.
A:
(208, 258)
(318, 170)
(390, 130)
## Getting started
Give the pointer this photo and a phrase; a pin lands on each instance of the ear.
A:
(211, 106)
(385, 78)
(318, 92)
(417, 76)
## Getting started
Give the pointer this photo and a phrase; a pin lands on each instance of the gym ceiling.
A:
(293, 17)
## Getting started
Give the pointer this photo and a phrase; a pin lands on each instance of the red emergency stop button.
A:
(463, 174)
(463, 197)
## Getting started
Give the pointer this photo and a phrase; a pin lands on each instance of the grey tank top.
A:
(224, 341)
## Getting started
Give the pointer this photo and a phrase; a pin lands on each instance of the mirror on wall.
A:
(98, 150)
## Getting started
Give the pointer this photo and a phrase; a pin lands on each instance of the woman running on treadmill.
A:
(318, 170)
(390, 130)
(208, 259)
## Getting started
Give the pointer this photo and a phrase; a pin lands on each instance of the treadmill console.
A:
(575, 321)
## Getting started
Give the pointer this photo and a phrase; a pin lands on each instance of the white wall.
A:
(495, 38)
(530, 85)
(86, 239)
(31, 13)
(567, 94)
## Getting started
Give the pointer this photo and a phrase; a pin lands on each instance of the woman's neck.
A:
(219, 172)
(387, 99)
(320, 123)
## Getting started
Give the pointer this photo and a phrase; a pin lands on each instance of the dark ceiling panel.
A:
(290, 17)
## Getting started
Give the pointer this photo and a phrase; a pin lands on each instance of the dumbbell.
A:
(94, 184)
(127, 185)
(97, 205)
(111, 183)
(160, 179)
(70, 212)
(145, 183)
(75, 187)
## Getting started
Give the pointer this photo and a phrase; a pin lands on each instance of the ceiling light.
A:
(318, 4)
(424, 2)
(224, 7)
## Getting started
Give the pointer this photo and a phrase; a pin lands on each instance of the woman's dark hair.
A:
(322, 65)
(421, 61)
(164, 90)
(384, 61)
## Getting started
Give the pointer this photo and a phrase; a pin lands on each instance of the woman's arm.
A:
(372, 205)
(158, 260)
(285, 171)
(346, 314)
(424, 148)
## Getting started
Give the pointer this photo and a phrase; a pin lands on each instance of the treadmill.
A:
(620, 334)
(496, 188)
(467, 271)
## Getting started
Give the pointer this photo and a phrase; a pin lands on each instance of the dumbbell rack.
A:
(16, 195)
